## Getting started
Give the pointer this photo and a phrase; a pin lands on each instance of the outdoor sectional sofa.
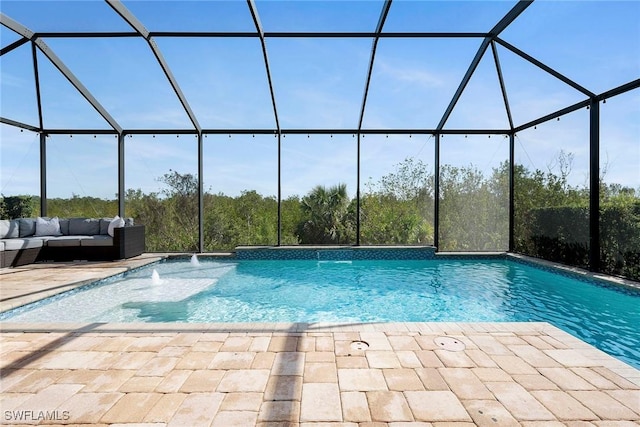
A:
(22, 243)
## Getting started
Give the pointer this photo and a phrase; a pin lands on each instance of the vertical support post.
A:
(279, 135)
(200, 194)
(512, 192)
(121, 185)
(36, 77)
(358, 193)
(594, 184)
(436, 194)
(43, 174)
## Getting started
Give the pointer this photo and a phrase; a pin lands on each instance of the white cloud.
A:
(408, 75)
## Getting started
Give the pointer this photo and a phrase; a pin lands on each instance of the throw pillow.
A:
(5, 226)
(14, 230)
(116, 222)
(27, 227)
(47, 227)
(84, 226)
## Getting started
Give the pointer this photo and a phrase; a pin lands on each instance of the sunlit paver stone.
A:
(244, 380)
(197, 409)
(464, 383)
(535, 382)
(490, 345)
(376, 341)
(604, 405)
(361, 380)
(73, 360)
(51, 397)
(179, 351)
(202, 380)
(351, 362)
(236, 344)
(13, 401)
(615, 378)
(436, 406)
(158, 366)
(481, 359)
(455, 359)
(173, 381)
(320, 402)
(165, 408)
(325, 372)
(355, 406)
(140, 384)
(489, 413)
(133, 360)
(132, 407)
(630, 398)
(211, 346)
(98, 380)
(519, 402)
(382, 359)
(537, 342)
(408, 359)
(195, 360)
(594, 378)
(35, 381)
(429, 359)
(403, 342)
(235, 418)
(242, 401)
(402, 379)
(153, 344)
(513, 365)
(491, 374)
(263, 361)
(231, 360)
(570, 358)
(90, 407)
(563, 405)
(533, 356)
(320, 357)
(324, 344)
(432, 379)
(259, 344)
(566, 379)
(388, 406)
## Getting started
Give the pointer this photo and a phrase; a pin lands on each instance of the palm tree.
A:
(327, 216)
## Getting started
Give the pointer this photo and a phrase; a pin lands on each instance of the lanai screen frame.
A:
(489, 40)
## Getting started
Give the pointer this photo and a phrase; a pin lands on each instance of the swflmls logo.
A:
(36, 415)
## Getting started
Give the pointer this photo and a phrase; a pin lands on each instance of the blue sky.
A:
(318, 83)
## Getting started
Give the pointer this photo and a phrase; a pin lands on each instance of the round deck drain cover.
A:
(359, 345)
(449, 343)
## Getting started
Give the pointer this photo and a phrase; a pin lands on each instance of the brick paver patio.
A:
(529, 374)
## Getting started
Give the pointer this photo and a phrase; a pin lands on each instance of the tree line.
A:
(551, 215)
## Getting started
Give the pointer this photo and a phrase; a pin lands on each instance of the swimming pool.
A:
(451, 290)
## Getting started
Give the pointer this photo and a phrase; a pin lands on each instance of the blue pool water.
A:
(495, 290)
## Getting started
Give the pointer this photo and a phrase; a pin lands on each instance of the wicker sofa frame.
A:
(128, 242)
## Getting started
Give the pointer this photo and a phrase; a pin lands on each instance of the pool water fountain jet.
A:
(155, 277)
(194, 261)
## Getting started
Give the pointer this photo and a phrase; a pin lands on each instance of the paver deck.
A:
(302, 374)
